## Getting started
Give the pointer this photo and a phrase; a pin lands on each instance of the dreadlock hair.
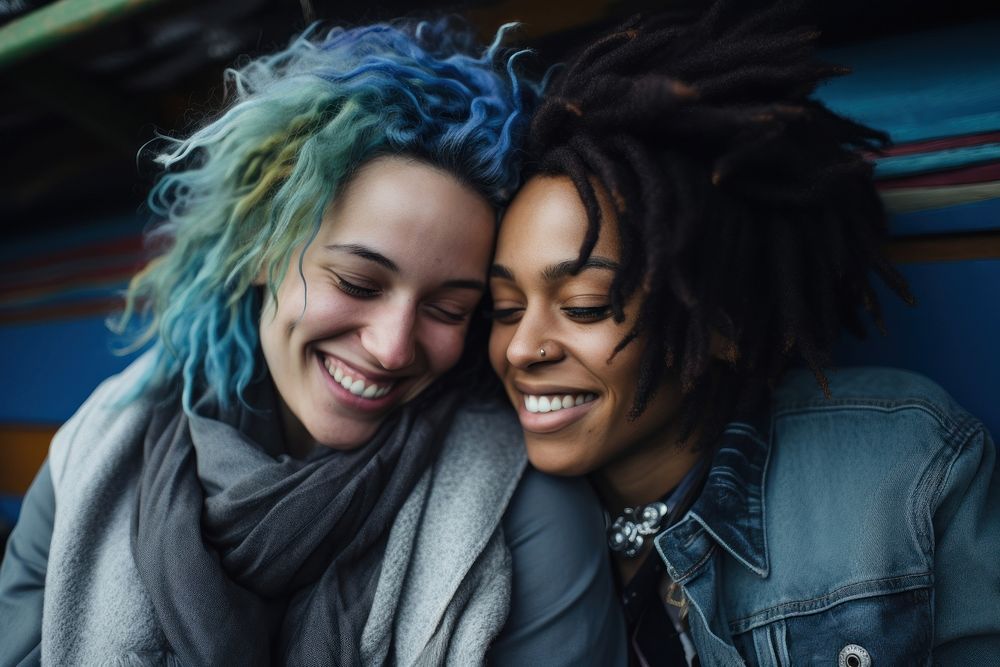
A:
(744, 207)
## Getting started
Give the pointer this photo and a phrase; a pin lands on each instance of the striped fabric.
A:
(68, 274)
(937, 93)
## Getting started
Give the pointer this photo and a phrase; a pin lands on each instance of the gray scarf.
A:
(250, 556)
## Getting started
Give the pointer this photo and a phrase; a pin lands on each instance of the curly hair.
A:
(241, 194)
(745, 208)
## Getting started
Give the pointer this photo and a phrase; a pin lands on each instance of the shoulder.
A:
(486, 433)
(878, 410)
(111, 415)
(563, 603)
(886, 443)
(563, 509)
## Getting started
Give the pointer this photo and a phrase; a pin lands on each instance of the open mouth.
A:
(554, 402)
(550, 413)
(352, 381)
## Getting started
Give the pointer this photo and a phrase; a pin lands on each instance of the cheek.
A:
(444, 345)
(268, 327)
(498, 349)
(621, 375)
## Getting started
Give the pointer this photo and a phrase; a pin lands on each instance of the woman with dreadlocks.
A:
(693, 224)
(293, 473)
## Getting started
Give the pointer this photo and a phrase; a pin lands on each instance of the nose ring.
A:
(541, 352)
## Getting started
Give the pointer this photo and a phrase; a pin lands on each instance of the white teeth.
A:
(535, 404)
(356, 387)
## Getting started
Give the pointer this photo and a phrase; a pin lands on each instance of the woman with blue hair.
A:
(296, 472)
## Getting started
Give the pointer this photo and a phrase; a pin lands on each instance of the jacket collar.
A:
(731, 506)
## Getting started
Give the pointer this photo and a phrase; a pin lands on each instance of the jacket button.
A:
(853, 655)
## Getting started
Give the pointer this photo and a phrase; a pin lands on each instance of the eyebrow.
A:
(364, 252)
(560, 270)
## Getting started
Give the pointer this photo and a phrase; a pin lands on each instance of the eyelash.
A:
(502, 315)
(456, 318)
(358, 292)
(588, 314)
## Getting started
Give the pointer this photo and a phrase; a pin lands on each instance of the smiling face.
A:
(390, 282)
(573, 403)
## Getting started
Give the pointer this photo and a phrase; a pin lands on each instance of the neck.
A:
(298, 442)
(643, 476)
(646, 473)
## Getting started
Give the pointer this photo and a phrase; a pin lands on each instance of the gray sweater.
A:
(444, 590)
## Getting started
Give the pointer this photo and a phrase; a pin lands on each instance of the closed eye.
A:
(587, 314)
(504, 315)
(448, 316)
(356, 291)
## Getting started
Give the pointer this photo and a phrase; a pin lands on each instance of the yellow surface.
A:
(22, 450)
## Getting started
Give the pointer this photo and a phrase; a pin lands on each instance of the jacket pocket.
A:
(870, 631)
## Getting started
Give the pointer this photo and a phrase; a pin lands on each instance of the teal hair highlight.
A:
(239, 195)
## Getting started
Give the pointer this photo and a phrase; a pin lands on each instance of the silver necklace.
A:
(628, 532)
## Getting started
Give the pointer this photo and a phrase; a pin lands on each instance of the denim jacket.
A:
(863, 529)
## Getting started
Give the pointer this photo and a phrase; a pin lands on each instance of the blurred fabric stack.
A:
(937, 94)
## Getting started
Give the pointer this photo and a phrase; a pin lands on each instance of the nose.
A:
(390, 336)
(532, 337)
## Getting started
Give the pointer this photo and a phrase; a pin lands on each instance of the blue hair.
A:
(241, 194)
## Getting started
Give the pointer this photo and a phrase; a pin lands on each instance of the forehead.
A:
(547, 222)
(407, 209)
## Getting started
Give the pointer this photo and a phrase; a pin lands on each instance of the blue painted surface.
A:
(48, 369)
(952, 336)
(977, 216)
(10, 509)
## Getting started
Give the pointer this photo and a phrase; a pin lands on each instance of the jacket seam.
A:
(686, 574)
(960, 427)
(890, 585)
(945, 477)
(933, 479)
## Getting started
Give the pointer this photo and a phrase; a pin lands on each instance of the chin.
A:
(556, 458)
(344, 439)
